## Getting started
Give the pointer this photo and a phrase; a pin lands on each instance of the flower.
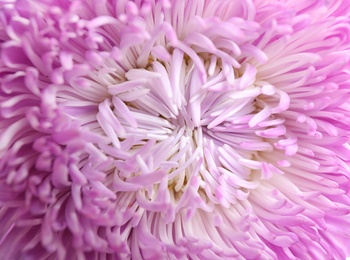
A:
(174, 129)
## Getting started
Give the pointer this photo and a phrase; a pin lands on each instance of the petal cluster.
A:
(174, 129)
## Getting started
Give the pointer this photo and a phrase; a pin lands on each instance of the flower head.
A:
(168, 129)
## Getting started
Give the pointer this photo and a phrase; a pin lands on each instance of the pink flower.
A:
(180, 129)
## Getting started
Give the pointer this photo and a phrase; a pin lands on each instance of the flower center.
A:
(177, 113)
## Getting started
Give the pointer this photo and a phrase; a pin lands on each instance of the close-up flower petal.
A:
(174, 129)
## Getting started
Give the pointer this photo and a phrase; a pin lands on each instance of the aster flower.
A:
(184, 129)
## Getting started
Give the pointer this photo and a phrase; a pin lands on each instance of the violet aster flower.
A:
(180, 129)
